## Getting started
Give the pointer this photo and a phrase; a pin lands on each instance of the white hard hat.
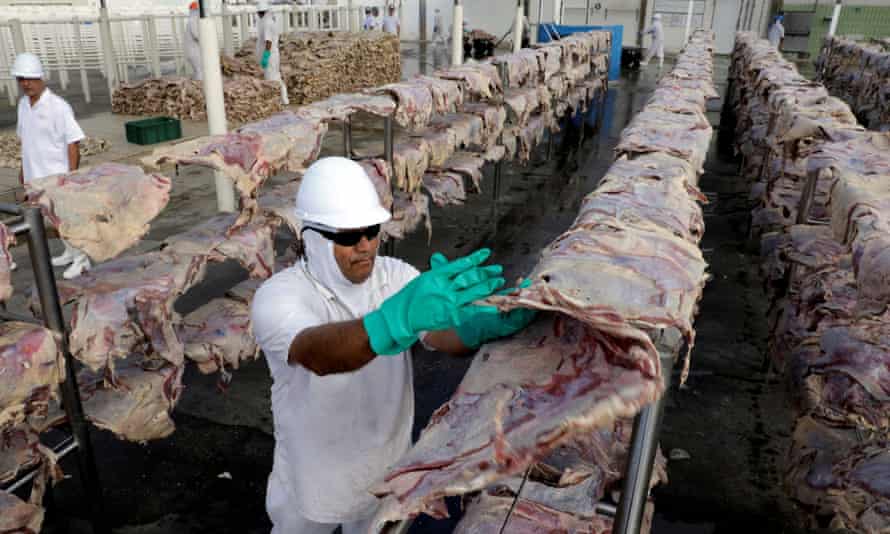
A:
(262, 5)
(27, 65)
(656, 16)
(336, 194)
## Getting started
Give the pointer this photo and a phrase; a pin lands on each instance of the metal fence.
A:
(144, 44)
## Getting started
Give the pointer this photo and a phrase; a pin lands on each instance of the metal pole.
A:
(587, 14)
(213, 95)
(835, 17)
(517, 27)
(84, 79)
(155, 46)
(557, 11)
(228, 38)
(107, 49)
(52, 316)
(422, 11)
(387, 143)
(688, 21)
(347, 137)
(540, 19)
(457, 34)
(640, 457)
(18, 36)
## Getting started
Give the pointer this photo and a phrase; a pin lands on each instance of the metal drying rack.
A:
(29, 221)
(628, 515)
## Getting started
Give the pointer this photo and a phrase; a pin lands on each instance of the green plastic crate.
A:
(154, 130)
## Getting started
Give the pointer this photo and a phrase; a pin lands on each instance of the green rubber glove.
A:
(484, 323)
(265, 61)
(438, 299)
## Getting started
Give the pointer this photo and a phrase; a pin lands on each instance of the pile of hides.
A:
(556, 397)
(246, 98)
(824, 189)
(11, 149)
(859, 74)
(316, 65)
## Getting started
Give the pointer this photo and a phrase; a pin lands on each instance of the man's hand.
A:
(438, 299)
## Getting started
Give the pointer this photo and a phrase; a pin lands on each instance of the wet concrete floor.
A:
(210, 475)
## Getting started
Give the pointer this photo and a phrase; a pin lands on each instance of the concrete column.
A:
(688, 21)
(213, 96)
(244, 23)
(155, 57)
(835, 17)
(517, 27)
(84, 79)
(457, 34)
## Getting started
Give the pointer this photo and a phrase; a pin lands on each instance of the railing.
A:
(143, 43)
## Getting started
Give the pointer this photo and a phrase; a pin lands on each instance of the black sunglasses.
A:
(352, 237)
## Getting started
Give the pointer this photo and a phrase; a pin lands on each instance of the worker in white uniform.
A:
(370, 24)
(193, 43)
(337, 329)
(777, 32)
(656, 47)
(50, 138)
(267, 47)
(391, 22)
(438, 28)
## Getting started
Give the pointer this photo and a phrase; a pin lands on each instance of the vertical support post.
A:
(228, 38)
(517, 27)
(540, 19)
(151, 24)
(245, 27)
(61, 58)
(350, 21)
(424, 36)
(84, 79)
(587, 14)
(11, 92)
(178, 35)
(52, 316)
(347, 137)
(18, 36)
(835, 17)
(689, 10)
(457, 34)
(107, 49)
(640, 457)
(388, 143)
(213, 95)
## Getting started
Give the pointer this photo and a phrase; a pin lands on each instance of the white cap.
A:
(336, 194)
(656, 16)
(27, 65)
(262, 5)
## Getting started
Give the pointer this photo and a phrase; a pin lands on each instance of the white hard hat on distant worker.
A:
(28, 66)
(656, 16)
(262, 5)
(336, 194)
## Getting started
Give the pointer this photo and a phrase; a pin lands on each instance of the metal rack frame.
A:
(29, 221)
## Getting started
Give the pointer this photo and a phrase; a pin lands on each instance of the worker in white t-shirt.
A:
(391, 22)
(438, 28)
(656, 47)
(777, 32)
(267, 47)
(193, 43)
(50, 138)
(336, 330)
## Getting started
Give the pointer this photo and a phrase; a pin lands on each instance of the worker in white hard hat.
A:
(50, 138)
(776, 33)
(656, 47)
(337, 330)
(267, 47)
(391, 23)
(193, 43)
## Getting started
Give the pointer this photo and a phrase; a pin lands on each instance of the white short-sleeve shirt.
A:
(45, 130)
(335, 435)
(391, 24)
